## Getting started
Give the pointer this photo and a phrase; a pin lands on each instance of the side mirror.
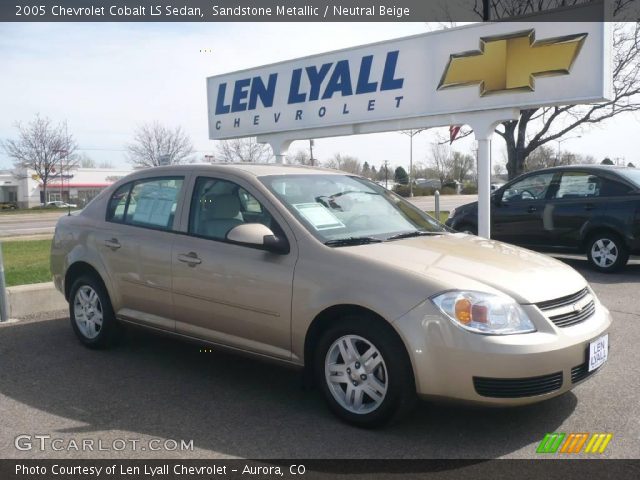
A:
(257, 235)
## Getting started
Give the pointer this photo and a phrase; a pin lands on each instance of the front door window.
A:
(534, 187)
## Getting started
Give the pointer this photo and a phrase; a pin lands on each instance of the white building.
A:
(77, 186)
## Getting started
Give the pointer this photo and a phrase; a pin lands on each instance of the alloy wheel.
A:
(604, 252)
(87, 311)
(356, 374)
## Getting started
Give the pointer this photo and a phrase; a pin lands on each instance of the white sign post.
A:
(478, 75)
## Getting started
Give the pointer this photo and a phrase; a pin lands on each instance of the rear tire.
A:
(607, 252)
(91, 314)
(364, 372)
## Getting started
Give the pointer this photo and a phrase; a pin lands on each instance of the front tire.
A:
(364, 372)
(607, 252)
(91, 314)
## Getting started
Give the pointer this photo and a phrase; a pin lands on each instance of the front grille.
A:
(564, 311)
(572, 318)
(581, 372)
(517, 387)
(563, 301)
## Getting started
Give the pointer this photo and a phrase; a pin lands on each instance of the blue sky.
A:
(107, 78)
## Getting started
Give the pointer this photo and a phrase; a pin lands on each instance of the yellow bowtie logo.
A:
(511, 62)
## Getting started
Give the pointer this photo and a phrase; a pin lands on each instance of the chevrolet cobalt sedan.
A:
(373, 299)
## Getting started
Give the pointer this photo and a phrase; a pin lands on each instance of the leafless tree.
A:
(498, 168)
(514, 8)
(244, 150)
(43, 148)
(155, 144)
(105, 164)
(462, 166)
(448, 164)
(440, 161)
(85, 161)
(545, 157)
(346, 163)
(301, 157)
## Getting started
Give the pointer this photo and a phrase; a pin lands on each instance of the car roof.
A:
(588, 166)
(255, 169)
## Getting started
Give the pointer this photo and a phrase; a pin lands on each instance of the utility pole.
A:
(386, 174)
(311, 142)
(66, 155)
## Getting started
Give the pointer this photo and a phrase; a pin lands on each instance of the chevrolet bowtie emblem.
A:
(511, 62)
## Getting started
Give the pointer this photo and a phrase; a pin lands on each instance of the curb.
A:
(25, 300)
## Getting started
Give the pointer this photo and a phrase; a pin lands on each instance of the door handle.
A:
(190, 258)
(532, 209)
(113, 244)
(589, 206)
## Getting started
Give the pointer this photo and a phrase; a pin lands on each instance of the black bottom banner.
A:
(32, 469)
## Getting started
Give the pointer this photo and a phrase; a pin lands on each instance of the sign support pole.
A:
(279, 144)
(484, 187)
(483, 127)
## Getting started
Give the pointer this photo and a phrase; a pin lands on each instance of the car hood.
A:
(462, 261)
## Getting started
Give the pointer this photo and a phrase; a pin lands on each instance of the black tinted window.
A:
(611, 188)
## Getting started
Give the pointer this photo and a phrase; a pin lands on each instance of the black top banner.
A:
(316, 10)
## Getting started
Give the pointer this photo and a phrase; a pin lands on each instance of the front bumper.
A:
(455, 364)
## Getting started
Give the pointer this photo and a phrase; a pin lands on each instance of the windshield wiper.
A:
(416, 233)
(349, 192)
(342, 242)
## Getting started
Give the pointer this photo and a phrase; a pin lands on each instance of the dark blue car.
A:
(592, 209)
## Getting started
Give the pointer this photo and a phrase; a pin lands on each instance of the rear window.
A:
(118, 203)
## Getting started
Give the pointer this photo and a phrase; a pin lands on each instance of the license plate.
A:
(598, 351)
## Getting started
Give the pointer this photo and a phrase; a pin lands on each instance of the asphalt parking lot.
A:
(156, 387)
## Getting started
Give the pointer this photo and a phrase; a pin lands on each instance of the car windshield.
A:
(338, 208)
(632, 174)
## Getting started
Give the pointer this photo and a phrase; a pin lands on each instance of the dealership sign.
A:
(475, 68)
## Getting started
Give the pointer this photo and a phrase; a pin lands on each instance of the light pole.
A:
(412, 133)
(560, 141)
(63, 153)
(311, 142)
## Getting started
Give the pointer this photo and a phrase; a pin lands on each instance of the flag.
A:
(453, 132)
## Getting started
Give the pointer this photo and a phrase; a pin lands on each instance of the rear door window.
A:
(147, 203)
(578, 185)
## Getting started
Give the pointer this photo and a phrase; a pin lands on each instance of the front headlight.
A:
(484, 312)
(452, 212)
